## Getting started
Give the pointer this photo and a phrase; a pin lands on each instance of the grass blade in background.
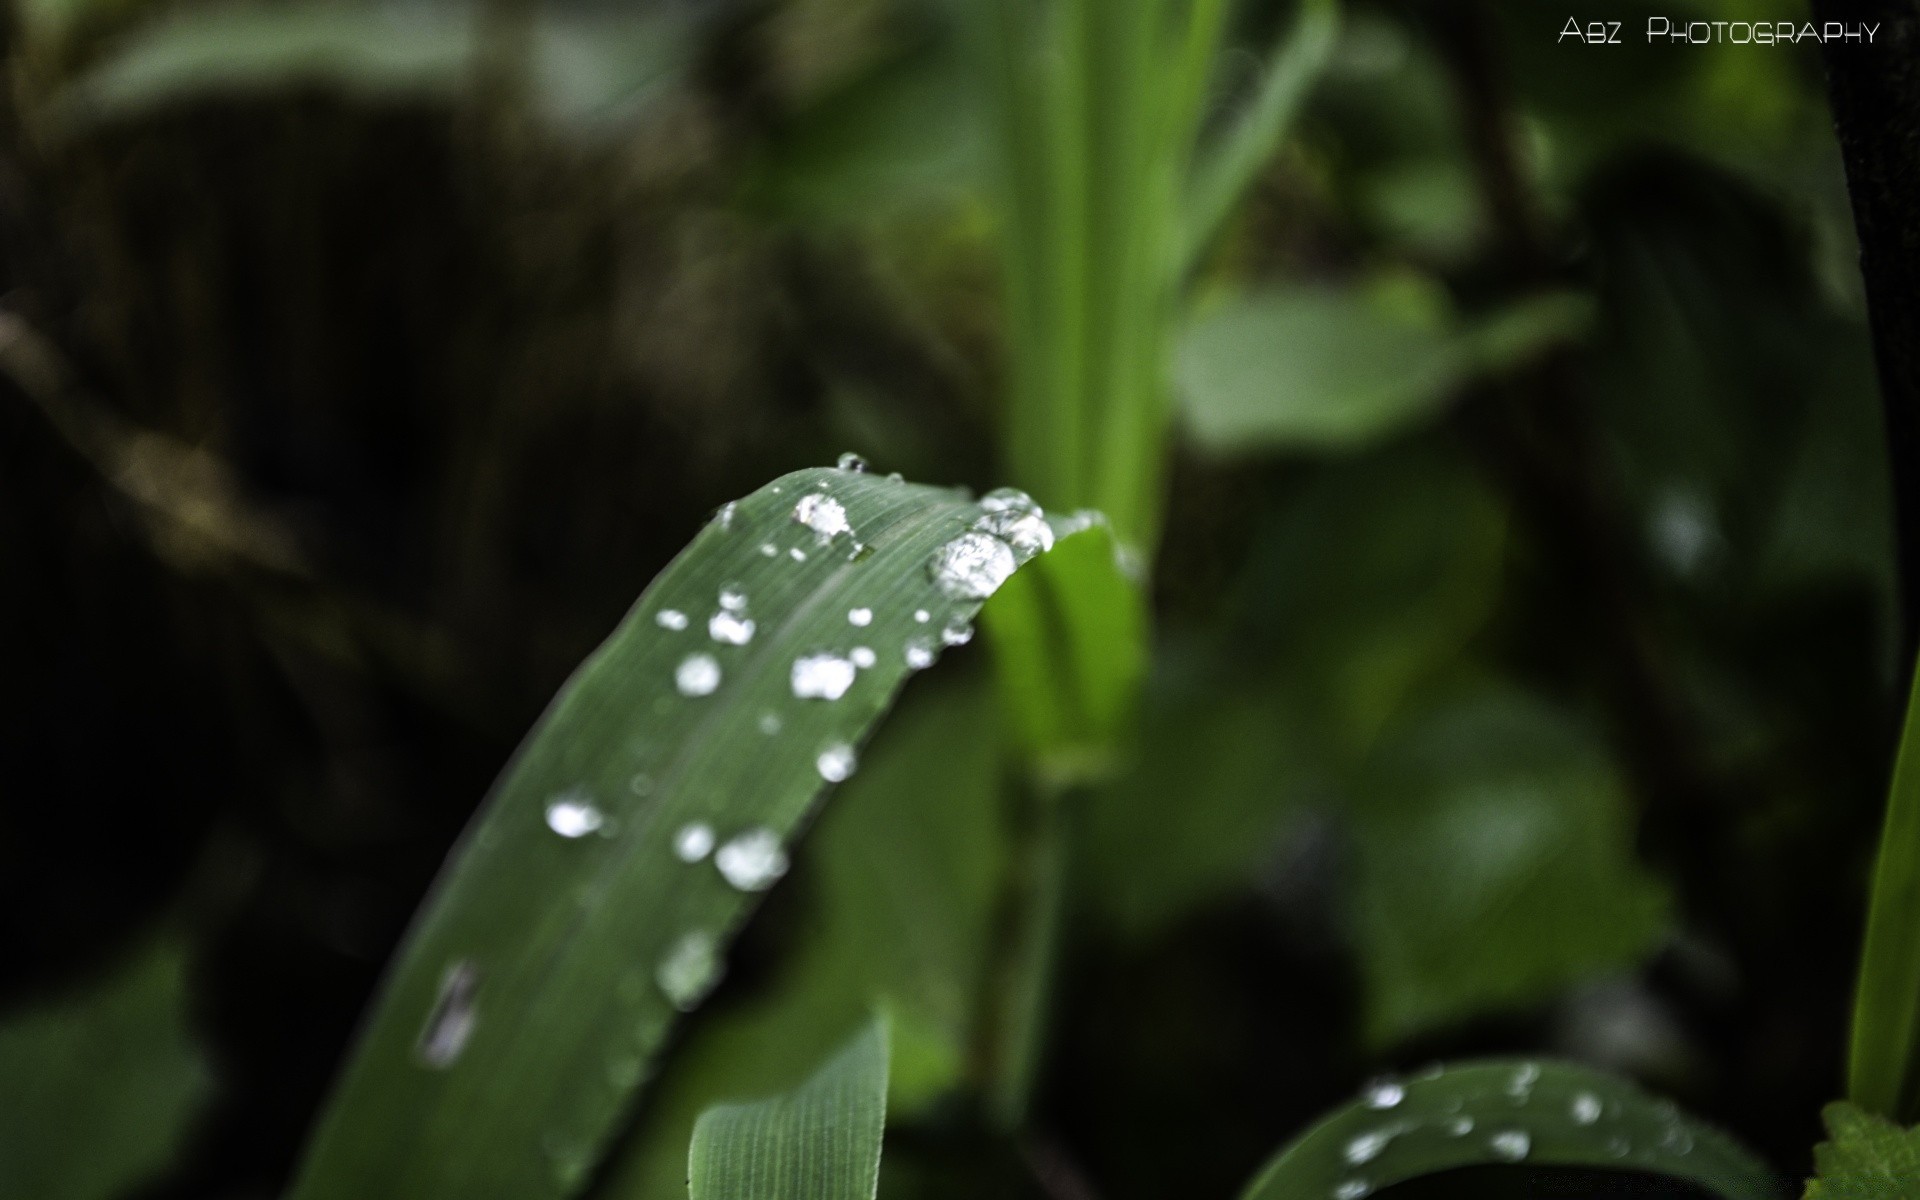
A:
(1886, 1009)
(593, 898)
(821, 1141)
(105, 1086)
(1546, 1113)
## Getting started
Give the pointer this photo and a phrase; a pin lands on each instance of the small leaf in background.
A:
(1514, 1112)
(594, 896)
(1865, 1158)
(98, 1092)
(1339, 368)
(906, 868)
(820, 1141)
(1495, 865)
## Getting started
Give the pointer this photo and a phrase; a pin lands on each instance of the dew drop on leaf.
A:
(670, 618)
(922, 616)
(821, 676)
(769, 723)
(730, 628)
(1352, 1189)
(860, 616)
(697, 675)
(752, 861)
(958, 631)
(769, 550)
(724, 517)
(1459, 1127)
(450, 1022)
(919, 654)
(1025, 531)
(836, 763)
(1007, 499)
(1365, 1147)
(573, 815)
(1586, 1108)
(733, 598)
(824, 515)
(862, 656)
(1384, 1093)
(852, 462)
(693, 841)
(1510, 1145)
(689, 971)
(971, 566)
(797, 554)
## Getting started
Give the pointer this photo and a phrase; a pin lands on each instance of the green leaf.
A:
(581, 70)
(1883, 1070)
(1865, 1158)
(1544, 1113)
(1319, 368)
(538, 986)
(820, 1141)
(105, 1086)
(1495, 865)
(906, 867)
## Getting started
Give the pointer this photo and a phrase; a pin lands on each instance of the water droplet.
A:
(1459, 1127)
(971, 566)
(693, 842)
(1007, 499)
(769, 723)
(641, 783)
(572, 815)
(1586, 1108)
(1619, 1147)
(697, 675)
(862, 617)
(852, 462)
(724, 517)
(836, 763)
(1026, 531)
(1524, 1077)
(797, 554)
(822, 676)
(733, 598)
(1677, 1140)
(752, 861)
(1384, 1093)
(1352, 1189)
(730, 628)
(862, 656)
(1366, 1147)
(895, 477)
(670, 618)
(822, 514)
(1510, 1145)
(450, 1022)
(922, 616)
(919, 654)
(689, 971)
(958, 631)
(769, 550)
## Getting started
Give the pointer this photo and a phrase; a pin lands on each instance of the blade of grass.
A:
(1883, 1060)
(820, 1141)
(1232, 164)
(1545, 1114)
(594, 896)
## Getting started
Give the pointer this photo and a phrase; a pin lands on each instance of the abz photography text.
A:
(1698, 33)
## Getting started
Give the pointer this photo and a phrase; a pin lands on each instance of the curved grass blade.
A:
(1881, 1075)
(820, 1141)
(1545, 1113)
(593, 898)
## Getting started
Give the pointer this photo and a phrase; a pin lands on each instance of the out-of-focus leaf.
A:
(1495, 864)
(1864, 1158)
(906, 867)
(100, 1090)
(1315, 368)
(821, 1141)
(1070, 647)
(1883, 1067)
(582, 70)
(1539, 1113)
(597, 891)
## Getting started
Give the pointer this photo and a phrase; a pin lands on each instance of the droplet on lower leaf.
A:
(1365, 1147)
(1025, 530)
(730, 628)
(724, 517)
(670, 618)
(919, 654)
(971, 566)
(822, 676)
(689, 971)
(862, 656)
(1384, 1093)
(1510, 1145)
(1352, 1189)
(836, 763)
(860, 616)
(852, 462)
(450, 1022)
(752, 861)
(958, 631)
(922, 616)
(573, 815)
(697, 675)
(733, 598)
(1007, 499)
(1586, 1108)
(693, 841)
(824, 515)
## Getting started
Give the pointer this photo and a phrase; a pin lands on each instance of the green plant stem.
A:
(1886, 1012)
